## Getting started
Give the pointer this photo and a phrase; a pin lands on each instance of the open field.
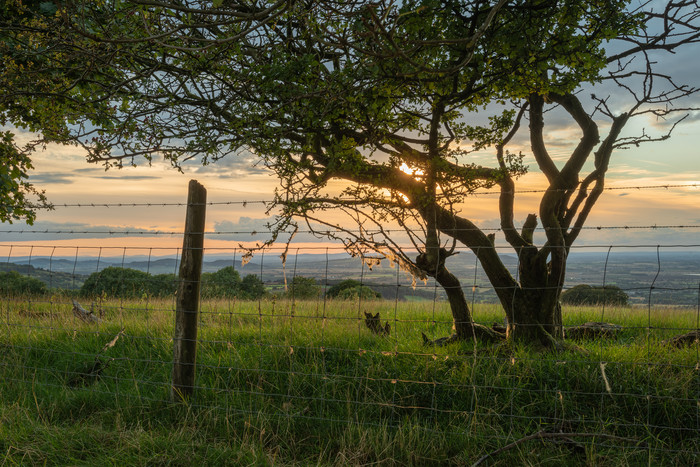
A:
(307, 382)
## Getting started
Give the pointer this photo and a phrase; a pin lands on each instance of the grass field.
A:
(308, 383)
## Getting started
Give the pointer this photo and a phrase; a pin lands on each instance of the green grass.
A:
(307, 383)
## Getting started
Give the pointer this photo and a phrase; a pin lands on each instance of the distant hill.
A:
(671, 278)
(53, 279)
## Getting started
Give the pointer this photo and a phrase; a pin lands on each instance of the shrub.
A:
(335, 290)
(119, 282)
(589, 295)
(115, 282)
(360, 291)
(304, 287)
(162, 285)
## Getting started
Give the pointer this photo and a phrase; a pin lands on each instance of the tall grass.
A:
(282, 382)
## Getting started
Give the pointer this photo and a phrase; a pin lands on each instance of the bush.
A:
(588, 295)
(252, 288)
(14, 283)
(119, 282)
(360, 291)
(162, 285)
(115, 282)
(335, 290)
(227, 283)
(304, 288)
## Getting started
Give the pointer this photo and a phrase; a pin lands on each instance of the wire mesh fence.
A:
(284, 342)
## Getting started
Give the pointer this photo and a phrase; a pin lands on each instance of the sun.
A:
(413, 172)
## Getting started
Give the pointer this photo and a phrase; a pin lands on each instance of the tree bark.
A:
(463, 321)
(537, 319)
(464, 326)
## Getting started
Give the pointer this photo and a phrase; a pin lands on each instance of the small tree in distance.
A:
(350, 289)
(252, 288)
(14, 284)
(224, 283)
(361, 291)
(584, 294)
(303, 288)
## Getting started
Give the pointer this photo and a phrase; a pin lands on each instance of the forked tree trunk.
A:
(536, 317)
(464, 326)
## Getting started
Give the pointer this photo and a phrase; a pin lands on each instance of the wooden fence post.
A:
(187, 308)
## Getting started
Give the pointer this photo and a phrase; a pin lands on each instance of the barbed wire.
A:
(269, 202)
(325, 231)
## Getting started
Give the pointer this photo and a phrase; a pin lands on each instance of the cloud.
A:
(95, 170)
(52, 178)
(47, 230)
(248, 229)
(244, 162)
(130, 177)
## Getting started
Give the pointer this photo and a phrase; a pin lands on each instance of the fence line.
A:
(267, 202)
(287, 357)
(368, 231)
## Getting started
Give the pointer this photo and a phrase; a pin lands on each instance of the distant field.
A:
(307, 382)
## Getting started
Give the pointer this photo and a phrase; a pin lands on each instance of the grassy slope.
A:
(283, 384)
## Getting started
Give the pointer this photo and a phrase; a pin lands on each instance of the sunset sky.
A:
(69, 179)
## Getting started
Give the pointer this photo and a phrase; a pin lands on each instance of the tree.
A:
(116, 282)
(410, 76)
(74, 72)
(373, 110)
(304, 288)
(13, 283)
(351, 288)
(18, 197)
(252, 288)
(224, 283)
(584, 294)
(360, 291)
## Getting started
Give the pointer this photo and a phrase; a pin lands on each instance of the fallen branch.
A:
(593, 331)
(111, 343)
(692, 337)
(374, 324)
(83, 314)
(545, 435)
(605, 377)
(91, 372)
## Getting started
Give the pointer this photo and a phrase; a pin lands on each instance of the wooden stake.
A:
(187, 309)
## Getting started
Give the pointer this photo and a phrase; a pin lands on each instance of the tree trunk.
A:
(463, 322)
(464, 326)
(536, 318)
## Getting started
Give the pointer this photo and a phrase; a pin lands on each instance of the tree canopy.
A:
(351, 289)
(117, 282)
(227, 283)
(303, 288)
(12, 283)
(374, 110)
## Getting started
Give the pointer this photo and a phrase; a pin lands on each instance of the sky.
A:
(237, 186)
